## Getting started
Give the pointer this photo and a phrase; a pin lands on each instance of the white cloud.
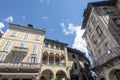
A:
(44, 17)
(45, 1)
(79, 42)
(23, 17)
(71, 29)
(1, 26)
(9, 19)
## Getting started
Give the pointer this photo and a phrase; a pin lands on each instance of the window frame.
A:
(99, 31)
(34, 49)
(14, 33)
(94, 40)
(73, 56)
(116, 21)
(108, 48)
(25, 37)
(7, 45)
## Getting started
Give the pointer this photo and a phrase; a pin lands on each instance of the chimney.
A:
(30, 26)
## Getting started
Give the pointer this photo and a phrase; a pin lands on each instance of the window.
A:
(7, 45)
(99, 31)
(75, 65)
(61, 47)
(89, 30)
(94, 39)
(46, 45)
(34, 50)
(2, 57)
(22, 44)
(108, 11)
(108, 48)
(117, 21)
(52, 45)
(37, 37)
(17, 59)
(73, 56)
(14, 33)
(33, 59)
(99, 53)
(25, 36)
(57, 46)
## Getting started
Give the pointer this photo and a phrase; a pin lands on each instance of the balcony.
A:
(107, 58)
(20, 49)
(52, 63)
(22, 65)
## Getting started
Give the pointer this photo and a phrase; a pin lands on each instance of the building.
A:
(78, 65)
(25, 54)
(20, 51)
(1, 35)
(102, 34)
(54, 59)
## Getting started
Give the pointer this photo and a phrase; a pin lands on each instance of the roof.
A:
(1, 33)
(78, 52)
(87, 11)
(31, 28)
(55, 41)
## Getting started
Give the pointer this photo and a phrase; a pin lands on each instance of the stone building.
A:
(78, 64)
(102, 34)
(25, 54)
(1, 35)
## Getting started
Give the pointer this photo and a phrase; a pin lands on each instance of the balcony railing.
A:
(20, 49)
(52, 63)
(107, 57)
(19, 65)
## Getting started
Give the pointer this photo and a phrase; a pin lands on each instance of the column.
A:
(10, 77)
(54, 60)
(37, 77)
(60, 61)
(48, 60)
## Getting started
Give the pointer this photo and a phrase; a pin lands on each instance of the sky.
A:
(62, 19)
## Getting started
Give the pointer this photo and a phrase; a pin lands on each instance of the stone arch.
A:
(61, 74)
(57, 59)
(114, 74)
(47, 74)
(51, 58)
(45, 57)
(62, 60)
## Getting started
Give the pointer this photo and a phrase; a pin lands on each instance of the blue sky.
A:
(62, 19)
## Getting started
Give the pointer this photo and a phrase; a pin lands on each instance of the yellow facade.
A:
(26, 55)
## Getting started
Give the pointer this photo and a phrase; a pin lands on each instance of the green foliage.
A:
(55, 78)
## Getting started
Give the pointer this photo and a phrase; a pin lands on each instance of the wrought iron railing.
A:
(19, 65)
(52, 63)
(21, 49)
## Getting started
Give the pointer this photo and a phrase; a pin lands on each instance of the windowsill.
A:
(37, 39)
(13, 35)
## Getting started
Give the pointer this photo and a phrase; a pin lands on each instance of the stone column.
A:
(60, 60)
(54, 60)
(37, 77)
(48, 60)
(10, 77)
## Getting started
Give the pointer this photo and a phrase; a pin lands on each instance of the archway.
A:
(61, 75)
(46, 75)
(114, 74)
(57, 59)
(51, 59)
(62, 60)
(45, 58)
